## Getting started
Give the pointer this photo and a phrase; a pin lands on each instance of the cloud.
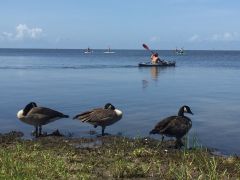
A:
(22, 32)
(6, 35)
(194, 38)
(154, 39)
(217, 37)
(227, 36)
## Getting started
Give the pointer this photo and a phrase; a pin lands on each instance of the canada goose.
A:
(101, 116)
(175, 126)
(38, 116)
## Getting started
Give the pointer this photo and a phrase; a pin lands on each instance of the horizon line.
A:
(120, 49)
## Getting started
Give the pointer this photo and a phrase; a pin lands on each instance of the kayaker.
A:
(156, 60)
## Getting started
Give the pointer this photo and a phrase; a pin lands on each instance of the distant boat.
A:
(109, 51)
(179, 51)
(88, 51)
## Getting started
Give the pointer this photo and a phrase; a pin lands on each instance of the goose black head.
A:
(28, 107)
(109, 106)
(184, 109)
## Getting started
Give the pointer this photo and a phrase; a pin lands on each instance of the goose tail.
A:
(76, 117)
(83, 117)
(154, 131)
(65, 116)
(80, 117)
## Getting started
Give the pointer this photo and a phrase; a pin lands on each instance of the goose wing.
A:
(45, 112)
(96, 115)
(177, 126)
(160, 126)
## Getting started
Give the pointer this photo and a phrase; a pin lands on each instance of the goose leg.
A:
(162, 138)
(36, 131)
(40, 130)
(179, 143)
(103, 128)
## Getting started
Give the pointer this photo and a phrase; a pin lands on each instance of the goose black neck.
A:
(181, 111)
(29, 107)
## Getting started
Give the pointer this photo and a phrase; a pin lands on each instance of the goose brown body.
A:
(175, 126)
(38, 116)
(101, 116)
(41, 116)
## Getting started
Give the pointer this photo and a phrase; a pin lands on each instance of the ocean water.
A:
(72, 82)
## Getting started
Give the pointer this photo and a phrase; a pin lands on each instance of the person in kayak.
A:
(155, 59)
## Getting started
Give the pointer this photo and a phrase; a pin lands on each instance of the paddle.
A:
(147, 48)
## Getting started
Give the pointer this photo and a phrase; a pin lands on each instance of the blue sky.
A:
(125, 24)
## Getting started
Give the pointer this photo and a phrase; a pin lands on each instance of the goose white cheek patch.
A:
(185, 109)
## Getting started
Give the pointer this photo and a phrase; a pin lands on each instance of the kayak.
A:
(109, 52)
(180, 53)
(148, 64)
(88, 52)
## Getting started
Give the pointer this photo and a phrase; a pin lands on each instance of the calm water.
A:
(72, 82)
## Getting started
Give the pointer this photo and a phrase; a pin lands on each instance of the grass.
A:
(116, 157)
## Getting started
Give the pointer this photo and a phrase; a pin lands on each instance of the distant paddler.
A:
(154, 56)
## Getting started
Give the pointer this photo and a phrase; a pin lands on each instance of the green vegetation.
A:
(109, 157)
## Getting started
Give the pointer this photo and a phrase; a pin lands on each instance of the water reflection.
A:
(154, 72)
(144, 83)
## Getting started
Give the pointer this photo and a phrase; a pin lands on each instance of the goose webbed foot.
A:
(55, 133)
(162, 139)
(35, 133)
(178, 144)
(104, 134)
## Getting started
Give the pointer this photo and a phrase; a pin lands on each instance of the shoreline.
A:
(108, 157)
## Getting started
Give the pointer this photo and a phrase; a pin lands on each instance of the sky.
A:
(120, 24)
